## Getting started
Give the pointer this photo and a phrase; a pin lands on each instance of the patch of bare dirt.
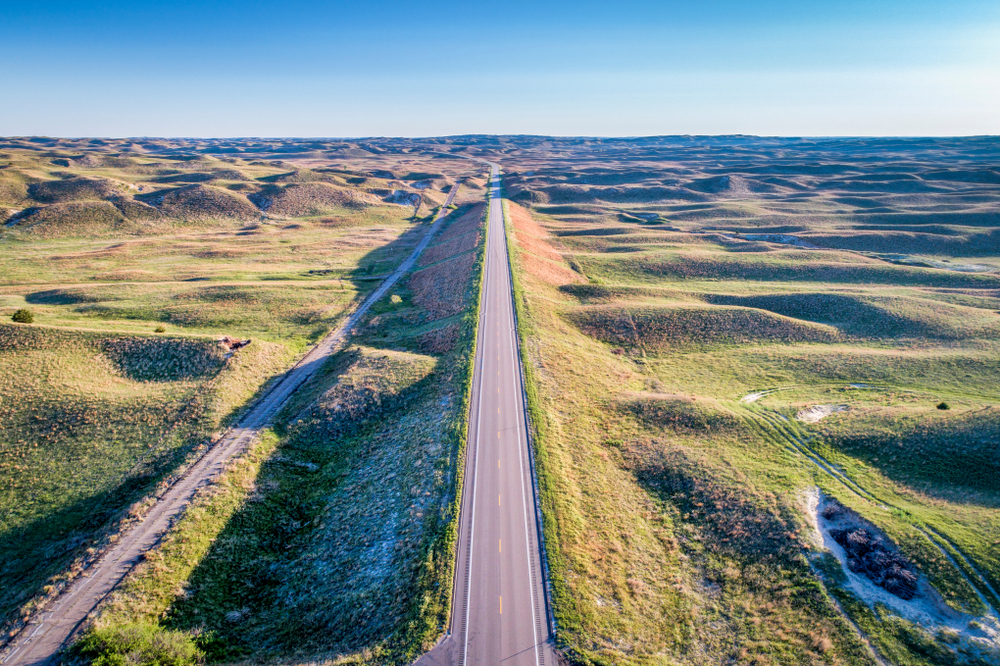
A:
(878, 574)
(816, 413)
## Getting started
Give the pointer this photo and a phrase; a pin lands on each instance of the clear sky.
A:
(341, 69)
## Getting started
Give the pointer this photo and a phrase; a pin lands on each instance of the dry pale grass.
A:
(469, 222)
(535, 241)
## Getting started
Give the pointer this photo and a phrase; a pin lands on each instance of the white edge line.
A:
(479, 428)
(520, 460)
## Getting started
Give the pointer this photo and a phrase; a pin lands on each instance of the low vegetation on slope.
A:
(334, 538)
(131, 268)
(89, 424)
(676, 517)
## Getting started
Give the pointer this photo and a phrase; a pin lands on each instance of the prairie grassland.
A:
(90, 424)
(333, 539)
(133, 266)
(668, 370)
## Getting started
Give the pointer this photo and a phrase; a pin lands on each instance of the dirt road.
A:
(42, 638)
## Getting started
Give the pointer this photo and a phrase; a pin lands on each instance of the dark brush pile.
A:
(871, 554)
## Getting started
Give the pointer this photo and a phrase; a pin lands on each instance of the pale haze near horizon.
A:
(410, 69)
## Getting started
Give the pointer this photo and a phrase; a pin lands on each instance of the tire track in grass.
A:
(776, 428)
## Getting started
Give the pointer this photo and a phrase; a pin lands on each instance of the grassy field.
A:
(723, 337)
(675, 364)
(334, 538)
(133, 265)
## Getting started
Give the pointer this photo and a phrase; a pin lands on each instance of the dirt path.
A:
(45, 634)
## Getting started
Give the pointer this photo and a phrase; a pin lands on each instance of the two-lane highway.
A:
(499, 613)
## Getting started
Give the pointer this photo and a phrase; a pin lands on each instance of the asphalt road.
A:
(42, 638)
(499, 608)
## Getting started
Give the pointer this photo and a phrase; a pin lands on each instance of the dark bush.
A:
(871, 555)
(943, 405)
(23, 316)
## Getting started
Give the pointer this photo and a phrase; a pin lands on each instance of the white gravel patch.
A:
(927, 609)
(816, 413)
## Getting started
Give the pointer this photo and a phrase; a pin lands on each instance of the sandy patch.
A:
(784, 239)
(815, 413)
(926, 608)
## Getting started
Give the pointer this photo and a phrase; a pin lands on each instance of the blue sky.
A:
(291, 68)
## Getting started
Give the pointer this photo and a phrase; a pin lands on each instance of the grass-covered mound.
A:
(928, 449)
(680, 413)
(872, 316)
(72, 219)
(201, 202)
(656, 329)
(298, 200)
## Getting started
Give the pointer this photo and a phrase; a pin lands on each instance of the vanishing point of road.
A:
(499, 614)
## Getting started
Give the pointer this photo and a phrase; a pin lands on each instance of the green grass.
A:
(119, 379)
(674, 513)
(333, 538)
(91, 423)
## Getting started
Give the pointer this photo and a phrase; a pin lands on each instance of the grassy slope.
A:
(334, 537)
(673, 511)
(97, 410)
(92, 423)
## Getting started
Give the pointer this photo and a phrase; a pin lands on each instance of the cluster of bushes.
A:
(162, 359)
(23, 316)
(870, 553)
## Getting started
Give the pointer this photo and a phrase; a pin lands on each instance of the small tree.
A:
(23, 316)
(943, 405)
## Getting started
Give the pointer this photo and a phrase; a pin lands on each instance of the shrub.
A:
(138, 645)
(23, 316)
(943, 405)
(160, 329)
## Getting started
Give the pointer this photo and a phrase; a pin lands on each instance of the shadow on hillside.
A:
(234, 598)
(35, 552)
